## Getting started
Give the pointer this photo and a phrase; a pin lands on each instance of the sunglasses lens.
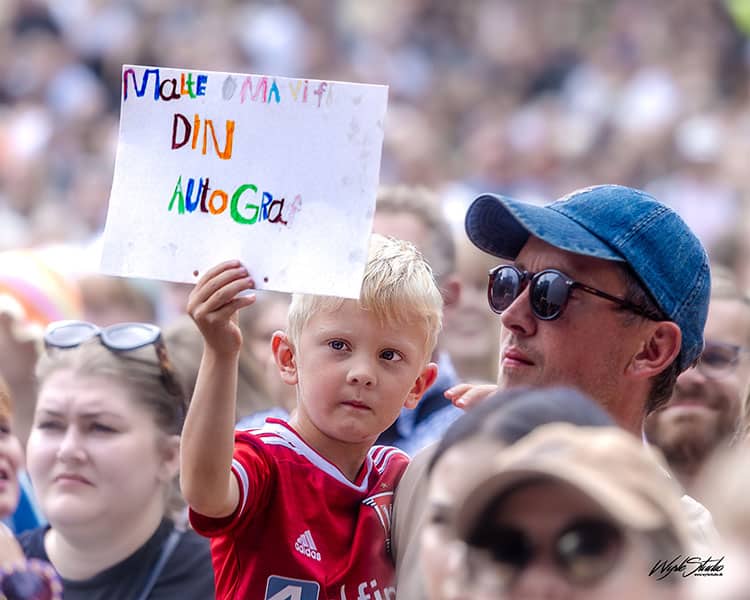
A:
(589, 549)
(507, 545)
(549, 293)
(129, 336)
(505, 287)
(67, 334)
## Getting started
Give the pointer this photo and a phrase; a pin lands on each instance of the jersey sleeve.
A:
(255, 470)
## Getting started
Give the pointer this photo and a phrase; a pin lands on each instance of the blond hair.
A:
(398, 287)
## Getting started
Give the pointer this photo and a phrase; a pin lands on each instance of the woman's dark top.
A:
(187, 575)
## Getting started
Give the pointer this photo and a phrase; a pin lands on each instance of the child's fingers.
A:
(226, 311)
(215, 270)
(208, 287)
(455, 392)
(474, 396)
(221, 297)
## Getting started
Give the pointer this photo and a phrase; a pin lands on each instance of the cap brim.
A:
(630, 511)
(500, 226)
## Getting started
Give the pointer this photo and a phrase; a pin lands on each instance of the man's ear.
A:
(425, 379)
(283, 354)
(659, 350)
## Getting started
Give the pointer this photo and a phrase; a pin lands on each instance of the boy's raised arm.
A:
(208, 435)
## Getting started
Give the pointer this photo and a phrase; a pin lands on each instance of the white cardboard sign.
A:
(280, 173)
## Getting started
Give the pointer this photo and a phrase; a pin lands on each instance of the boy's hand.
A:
(468, 395)
(213, 304)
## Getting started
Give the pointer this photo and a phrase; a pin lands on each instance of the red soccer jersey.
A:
(302, 530)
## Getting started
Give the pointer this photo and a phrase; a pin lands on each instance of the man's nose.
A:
(518, 317)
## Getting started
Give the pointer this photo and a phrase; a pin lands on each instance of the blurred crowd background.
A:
(531, 98)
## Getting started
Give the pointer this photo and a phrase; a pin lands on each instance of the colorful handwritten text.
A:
(182, 129)
(194, 197)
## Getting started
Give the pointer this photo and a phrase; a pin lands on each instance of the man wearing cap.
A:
(605, 290)
(628, 316)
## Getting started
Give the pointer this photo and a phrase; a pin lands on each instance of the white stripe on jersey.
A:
(310, 541)
(384, 456)
(277, 434)
(244, 482)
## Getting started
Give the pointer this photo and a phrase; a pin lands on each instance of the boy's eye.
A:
(390, 355)
(337, 344)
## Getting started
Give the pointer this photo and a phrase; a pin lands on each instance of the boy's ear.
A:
(283, 354)
(659, 350)
(425, 379)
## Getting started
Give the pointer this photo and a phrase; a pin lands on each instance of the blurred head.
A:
(107, 300)
(104, 445)
(724, 487)
(570, 512)
(471, 334)
(11, 455)
(605, 258)
(269, 315)
(415, 214)
(185, 343)
(709, 405)
(32, 294)
(479, 435)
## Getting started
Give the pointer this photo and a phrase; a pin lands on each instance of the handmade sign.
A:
(279, 173)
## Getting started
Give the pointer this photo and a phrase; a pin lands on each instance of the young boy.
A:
(301, 510)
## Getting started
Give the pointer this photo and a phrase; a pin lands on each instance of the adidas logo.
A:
(305, 545)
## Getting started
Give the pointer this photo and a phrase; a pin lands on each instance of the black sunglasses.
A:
(120, 337)
(584, 550)
(549, 291)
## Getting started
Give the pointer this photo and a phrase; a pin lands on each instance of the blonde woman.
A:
(103, 455)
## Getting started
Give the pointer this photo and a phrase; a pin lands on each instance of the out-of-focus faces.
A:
(96, 457)
(402, 226)
(571, 549)
(270, 317)
(11, 458)
(471, 332)
(443, 573)
(707, 405)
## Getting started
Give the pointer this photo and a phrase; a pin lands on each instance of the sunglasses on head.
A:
(584, 551)
(120, 337)
(549, 291)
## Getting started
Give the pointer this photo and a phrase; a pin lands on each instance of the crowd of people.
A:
(529, 399)
(532, 99)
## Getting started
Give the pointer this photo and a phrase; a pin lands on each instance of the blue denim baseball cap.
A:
(615, 223)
